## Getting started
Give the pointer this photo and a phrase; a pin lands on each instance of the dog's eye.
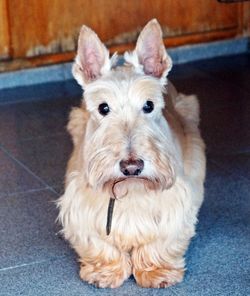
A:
(103, 109)
(148, 107)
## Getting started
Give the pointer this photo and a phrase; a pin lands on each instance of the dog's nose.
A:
(131, 167)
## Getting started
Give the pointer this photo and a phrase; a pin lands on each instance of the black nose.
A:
(131, 167)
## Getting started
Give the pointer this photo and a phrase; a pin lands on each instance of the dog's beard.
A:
(120, 187)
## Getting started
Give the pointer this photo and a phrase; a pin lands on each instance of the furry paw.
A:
(106, 275)
(158, 277)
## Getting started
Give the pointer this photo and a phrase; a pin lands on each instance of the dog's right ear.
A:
(150, 55)
(92, 59)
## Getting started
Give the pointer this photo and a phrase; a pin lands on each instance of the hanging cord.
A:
(111, 206)
(110, 215)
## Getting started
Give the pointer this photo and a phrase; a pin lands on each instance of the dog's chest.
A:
(135, 221)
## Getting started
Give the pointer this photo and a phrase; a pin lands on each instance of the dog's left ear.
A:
(151, 51)
(92, 59)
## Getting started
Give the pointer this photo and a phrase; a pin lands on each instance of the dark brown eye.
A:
(148, 107)
(103, 109)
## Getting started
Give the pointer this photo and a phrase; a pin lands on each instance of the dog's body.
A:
(129, 147)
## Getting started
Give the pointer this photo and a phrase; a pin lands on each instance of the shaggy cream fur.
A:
(155, 212)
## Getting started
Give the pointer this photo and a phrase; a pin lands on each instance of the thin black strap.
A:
(110, 214)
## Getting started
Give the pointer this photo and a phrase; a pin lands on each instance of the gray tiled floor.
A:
(46, 156)
(25, 235)
(34, 148)
(15, 178)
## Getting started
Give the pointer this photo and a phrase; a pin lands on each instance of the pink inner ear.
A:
(91, 62)
(154, 66)
(91, 68)
(151, 51)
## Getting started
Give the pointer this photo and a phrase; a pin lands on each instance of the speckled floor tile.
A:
(218, 259)
(212, 93)
(15, 178)
(233, 70)
(44, 156)
(60, 278)
(236, 164)
(28, 230)
(226, 130)
(33, 119)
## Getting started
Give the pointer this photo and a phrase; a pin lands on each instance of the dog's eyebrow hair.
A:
(110, 215)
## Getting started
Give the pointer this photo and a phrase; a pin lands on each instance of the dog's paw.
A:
(158, 277)
(109, 275)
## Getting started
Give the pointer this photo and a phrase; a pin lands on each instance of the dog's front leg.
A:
(155, 266)
(103, 265)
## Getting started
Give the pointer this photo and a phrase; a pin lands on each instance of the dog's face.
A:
(128, 143)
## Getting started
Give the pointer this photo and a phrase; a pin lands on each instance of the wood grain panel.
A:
(246, 18)
(51, 26)
(4, 31)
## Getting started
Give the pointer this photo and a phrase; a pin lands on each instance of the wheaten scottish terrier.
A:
(134, 182)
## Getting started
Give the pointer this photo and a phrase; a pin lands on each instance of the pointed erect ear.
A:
(151, 51)
(92, 58)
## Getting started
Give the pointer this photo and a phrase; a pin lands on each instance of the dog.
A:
(135, 180)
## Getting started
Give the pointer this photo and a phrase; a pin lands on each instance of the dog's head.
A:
(128, 143)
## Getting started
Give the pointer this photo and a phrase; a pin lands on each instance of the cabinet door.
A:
(36, 32)
(4, 31)
(51, 26)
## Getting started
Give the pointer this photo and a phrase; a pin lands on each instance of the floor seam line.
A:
(32, 263)
(57, 134)
(24, 166)
(25, 191)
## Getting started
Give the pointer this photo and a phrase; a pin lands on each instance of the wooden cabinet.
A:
(4, 31)
(34, 32)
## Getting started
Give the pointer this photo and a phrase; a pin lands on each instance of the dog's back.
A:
(187, 113)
